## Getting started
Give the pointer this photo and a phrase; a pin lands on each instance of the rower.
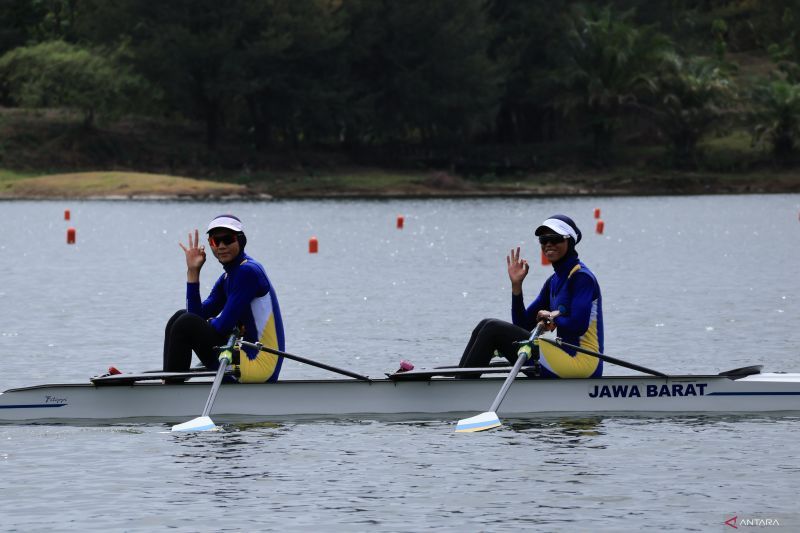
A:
(243, 297)
(569, 302)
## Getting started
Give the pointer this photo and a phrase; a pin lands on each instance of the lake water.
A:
(690, 284)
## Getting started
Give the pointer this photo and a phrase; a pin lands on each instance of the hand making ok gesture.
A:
(517, 270)
(195, 254)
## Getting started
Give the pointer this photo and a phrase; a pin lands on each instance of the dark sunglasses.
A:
(552, 239)
(226, 238)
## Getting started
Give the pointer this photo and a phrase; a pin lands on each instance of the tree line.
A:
(432, 73)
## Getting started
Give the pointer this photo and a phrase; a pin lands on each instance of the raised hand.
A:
(517, 270)
(195, 254)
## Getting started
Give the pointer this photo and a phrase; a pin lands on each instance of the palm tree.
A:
(692, 95)
(777, 115)
(608, 64)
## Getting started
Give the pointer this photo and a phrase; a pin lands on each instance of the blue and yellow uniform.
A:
(574, 291)
(243, 297)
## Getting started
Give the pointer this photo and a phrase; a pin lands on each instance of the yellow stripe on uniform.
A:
(565, 365)
(261, 368)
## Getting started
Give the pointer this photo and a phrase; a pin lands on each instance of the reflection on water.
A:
(252, 426)
(568, 427)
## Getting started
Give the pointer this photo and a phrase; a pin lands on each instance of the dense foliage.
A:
(55, 73)
(443, 76)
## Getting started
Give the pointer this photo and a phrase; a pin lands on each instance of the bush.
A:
(58, 74)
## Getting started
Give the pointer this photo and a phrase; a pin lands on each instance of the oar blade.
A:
(481, 422)
(201, 423)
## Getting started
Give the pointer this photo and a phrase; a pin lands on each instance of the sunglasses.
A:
(552, 239)
(226, 238)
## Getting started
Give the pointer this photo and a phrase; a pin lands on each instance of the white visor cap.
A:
(226, 221)
(559, 226)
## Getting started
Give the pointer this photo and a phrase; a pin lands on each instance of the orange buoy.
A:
(545, 260)
(600, 227)
(66, 214)
(70, 235)
(596, 212)
(400, 221)
(313, 245)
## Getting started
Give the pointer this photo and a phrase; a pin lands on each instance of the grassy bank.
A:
(113, 185)
(371, 183)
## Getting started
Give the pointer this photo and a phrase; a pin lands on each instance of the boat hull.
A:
(349, 398)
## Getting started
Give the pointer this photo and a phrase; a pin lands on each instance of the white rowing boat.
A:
(411, 394)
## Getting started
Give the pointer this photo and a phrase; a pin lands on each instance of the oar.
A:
(489, 419)
(204, 422)
(612, 360)
(259, 346)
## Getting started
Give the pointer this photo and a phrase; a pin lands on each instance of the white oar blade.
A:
(481, 422)
(201, 423)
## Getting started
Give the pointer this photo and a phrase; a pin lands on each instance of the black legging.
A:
(186, 332)
(489, 335)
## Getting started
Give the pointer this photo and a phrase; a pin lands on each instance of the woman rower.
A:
(568, 302)
(242, 299)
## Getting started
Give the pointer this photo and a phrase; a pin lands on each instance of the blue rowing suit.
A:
(573, 290)
(244, 297)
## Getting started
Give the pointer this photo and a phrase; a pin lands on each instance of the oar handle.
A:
(310, 362)
(226, 352)
(526, 350)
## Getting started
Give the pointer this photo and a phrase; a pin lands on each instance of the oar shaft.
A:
(507, 384)
(310, 362)
(223, 365)
(608, 358)
(514, 371)
(215, 387)
(204, 422)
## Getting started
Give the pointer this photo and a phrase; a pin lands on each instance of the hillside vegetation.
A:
(377, 97)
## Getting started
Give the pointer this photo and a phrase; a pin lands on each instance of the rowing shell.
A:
(415, 395)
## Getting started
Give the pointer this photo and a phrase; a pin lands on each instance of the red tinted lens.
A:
(226, 239)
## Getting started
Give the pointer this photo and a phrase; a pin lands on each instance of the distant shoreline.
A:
(122, 186)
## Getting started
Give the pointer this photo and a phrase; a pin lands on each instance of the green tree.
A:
(59, 19)
(719, 29)
(785, 48)
(26, 22)
(691, 99)
(420, 71)
(776, 117)
(524, 35)
(58, 74)
(191, 49)
(17, 20)
(293, 81)
(607, 65)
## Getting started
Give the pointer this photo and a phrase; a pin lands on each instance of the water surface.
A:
(690, 284)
